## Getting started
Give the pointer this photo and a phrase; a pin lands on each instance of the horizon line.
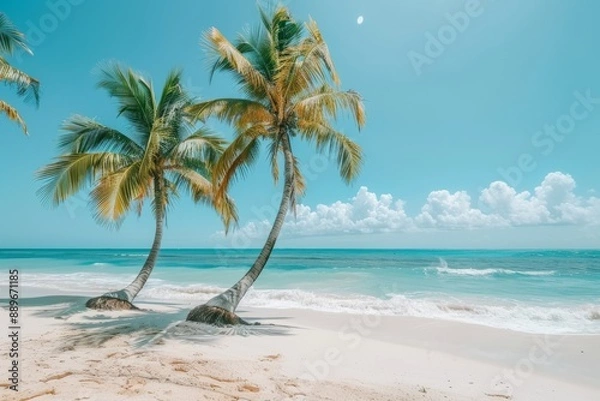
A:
(306, 248)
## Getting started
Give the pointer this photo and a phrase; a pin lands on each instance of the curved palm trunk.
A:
(221, 309)
(123, 299)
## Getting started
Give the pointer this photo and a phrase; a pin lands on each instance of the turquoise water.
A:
(531, 291)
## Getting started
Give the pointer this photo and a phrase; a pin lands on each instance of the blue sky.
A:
(459, 95)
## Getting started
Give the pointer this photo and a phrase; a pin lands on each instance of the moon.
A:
(360, 20)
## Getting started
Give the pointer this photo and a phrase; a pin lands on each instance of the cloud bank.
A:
(553, 202)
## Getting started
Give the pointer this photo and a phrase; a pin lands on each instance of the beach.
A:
(69, 353)
(294, 200)
(334, 325)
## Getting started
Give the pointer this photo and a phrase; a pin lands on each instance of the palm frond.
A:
(229, 58)
(83, 134)
(256, 45)
(312, 105)
(299, 185)
(237, 112)
(348, 153)
(198, 186)
(193, 163)
(134, 96)
(140, 199)
(11, 38)
(286, 71)
(274, 151)
(305, 67)
(173, 94)
(13, 115)
(171, 109)
(321, 50)
(116, 192)
(26, 85)
(202, 145)
(234, 163)
(72, 172)
(227, 210)
(202, 190)
(159, 132)
(265, 18)
(284, 31)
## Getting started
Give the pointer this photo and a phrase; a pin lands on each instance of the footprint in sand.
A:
(133, 385)
(179, 365)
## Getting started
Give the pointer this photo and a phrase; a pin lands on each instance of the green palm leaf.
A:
(72, 172)
(201, 145)
(237, 112)
(134, 96)
(11, 38)
(230, 58)
(285, 69)
(235, 162)
(348, 154)
(82, 134)
(115, 193)
(123, 171)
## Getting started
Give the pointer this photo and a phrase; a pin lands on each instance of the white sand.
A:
(303, 355)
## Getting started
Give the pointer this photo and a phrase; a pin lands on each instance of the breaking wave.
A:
(444, 269)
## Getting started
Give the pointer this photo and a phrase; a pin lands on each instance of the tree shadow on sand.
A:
(141, 328)
(56, 306)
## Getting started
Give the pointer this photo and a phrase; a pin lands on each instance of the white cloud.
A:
(514, 208)
(365, 213)
(553, 202)
(453, 211)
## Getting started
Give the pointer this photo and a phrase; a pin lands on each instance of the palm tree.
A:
(10, 41)
(161, 156)
(292, 92)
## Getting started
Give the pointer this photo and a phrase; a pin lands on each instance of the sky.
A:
(483, 122)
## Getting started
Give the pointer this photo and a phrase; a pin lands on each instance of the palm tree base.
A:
(109, 303)
(215, 316)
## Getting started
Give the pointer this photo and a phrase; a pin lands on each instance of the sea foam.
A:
(539, 319)
(444, 269)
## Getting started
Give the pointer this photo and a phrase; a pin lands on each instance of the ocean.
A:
(546, 292)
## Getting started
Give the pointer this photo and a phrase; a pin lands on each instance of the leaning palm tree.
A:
(161, 156)
(292, 92)
(11, 40)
